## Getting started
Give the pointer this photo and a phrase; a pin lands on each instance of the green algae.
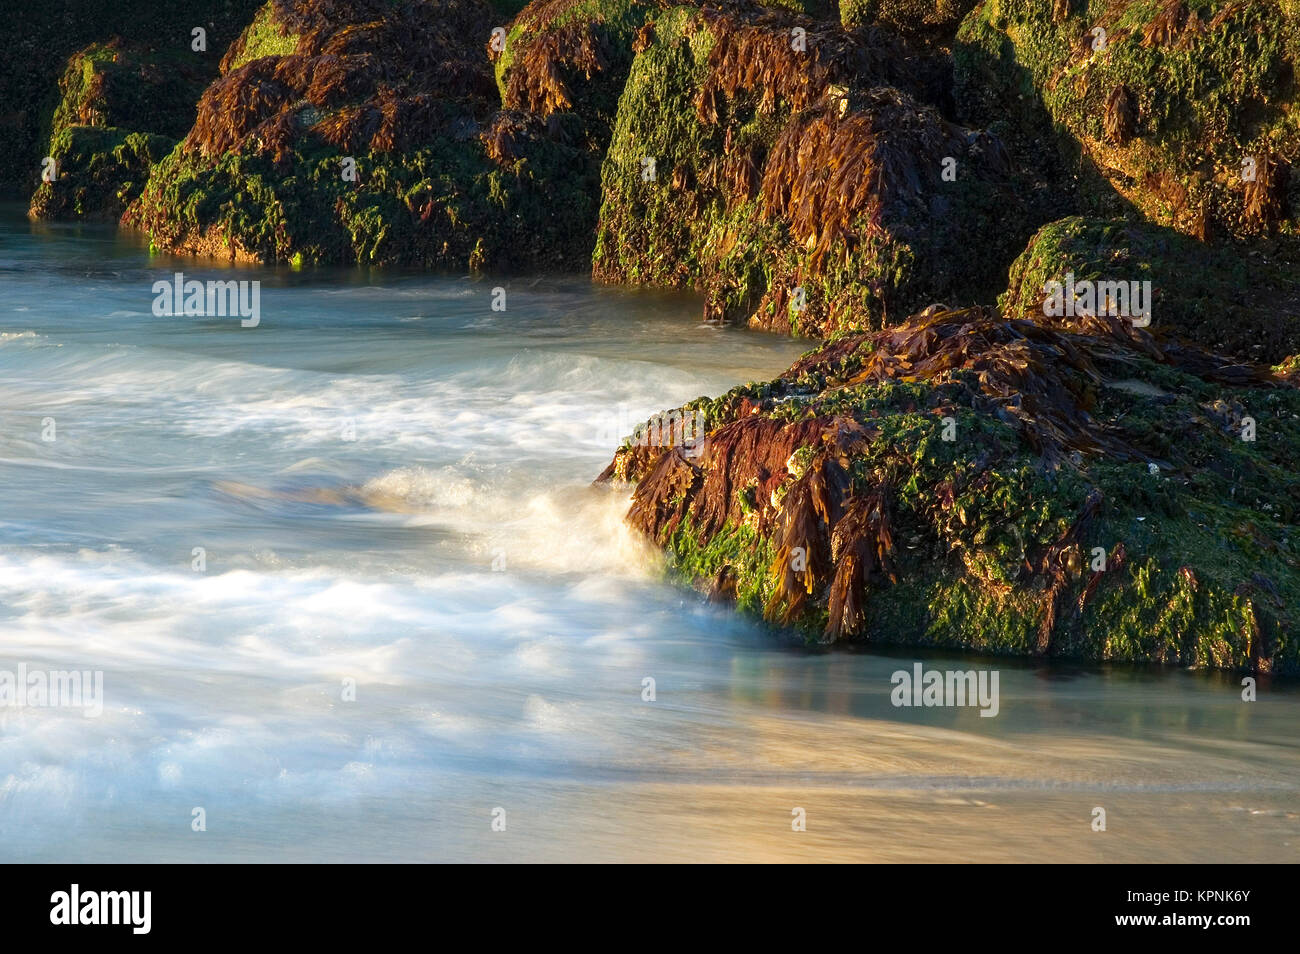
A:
(265, 36)
(121, 109)
(697, 218)
(445, 206)
(99, 172)
(1206, 86)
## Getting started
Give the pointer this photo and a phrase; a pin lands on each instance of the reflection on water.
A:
(389, 486)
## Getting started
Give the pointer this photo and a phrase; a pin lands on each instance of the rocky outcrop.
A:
(965, 481)
(1182, 113)
(121, 109)
(1239, 300)
(39, 38)
(1054, 251)
(800, 174)
(371, 133)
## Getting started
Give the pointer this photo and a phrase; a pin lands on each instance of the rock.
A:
(971, 482)
(39, 38)
(100, 171)
(799, 178)
(1181, 113)
(925, 19)
(121, 109)
(1234, 301)
(371, 134)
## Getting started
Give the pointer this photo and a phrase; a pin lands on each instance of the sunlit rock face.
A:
(372, 133)
(808, 178)
(967, 481)
(1181, 111)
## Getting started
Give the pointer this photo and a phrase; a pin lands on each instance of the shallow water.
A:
(390, 484)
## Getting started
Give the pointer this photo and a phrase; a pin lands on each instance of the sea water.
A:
(353, 597)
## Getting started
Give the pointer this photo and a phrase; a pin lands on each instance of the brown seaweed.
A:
(833, 537)
(376, 76)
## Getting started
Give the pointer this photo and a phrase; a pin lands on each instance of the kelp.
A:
(861, 547)
(508, 137)
(563, 56)
(830, 178)
(538, 83)
(370, 56)
(1121, 115)
(1265, 193)
(752, 53)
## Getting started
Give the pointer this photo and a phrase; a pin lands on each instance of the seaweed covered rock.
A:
(571, 55)
(574, 55)
(98, 172)
(1181, 110)
(966, 481)
(38, 39)
(793, 170)
(1234, 301)
(370, 132)
(121, 108)
(926, 19)
(116, 83)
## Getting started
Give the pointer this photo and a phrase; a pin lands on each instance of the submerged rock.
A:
(967, 481)
(371, 133)
(794, 171)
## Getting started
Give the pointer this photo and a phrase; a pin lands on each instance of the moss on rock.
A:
(964, 481)
(39, 38)
(1235, 301)
(1183, 111)
(99, 172)
(121, 109)
(399, 93)
(798, 177)
(115, 83)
